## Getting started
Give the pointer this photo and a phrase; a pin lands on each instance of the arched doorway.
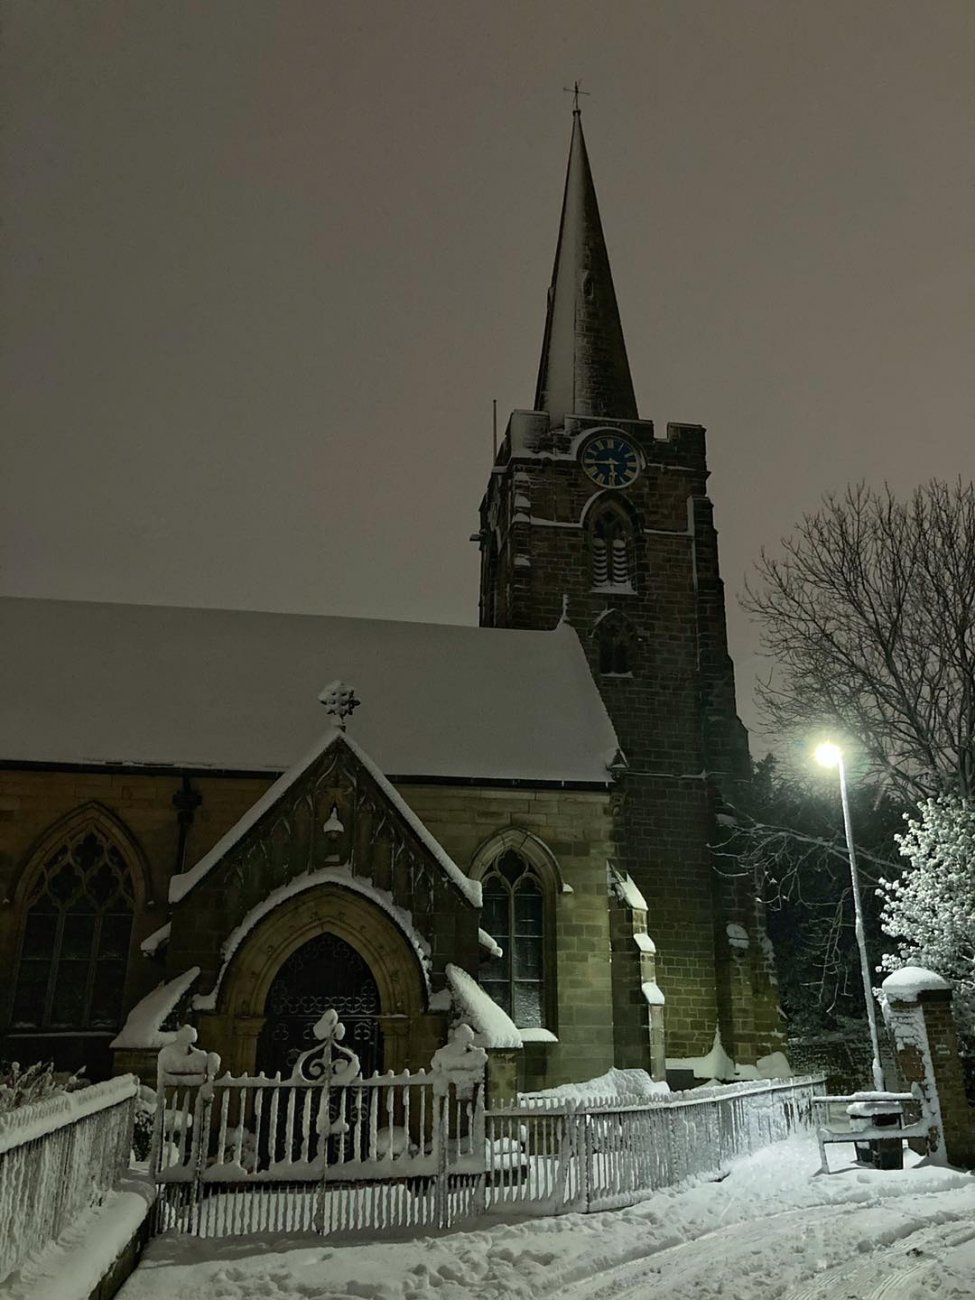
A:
(326, 972)
(235, 1028)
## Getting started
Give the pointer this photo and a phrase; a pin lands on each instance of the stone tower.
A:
(592, 516)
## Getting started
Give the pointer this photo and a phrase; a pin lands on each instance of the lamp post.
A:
(831, 755)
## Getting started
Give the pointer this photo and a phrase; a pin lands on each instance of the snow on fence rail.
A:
(330, 1151)
(549, 1156)
(59, 1158)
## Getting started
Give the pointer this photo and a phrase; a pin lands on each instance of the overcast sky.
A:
(267, 264)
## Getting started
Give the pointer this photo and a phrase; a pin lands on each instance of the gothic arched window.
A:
(75, 948)
(513, 914)
(612, 551)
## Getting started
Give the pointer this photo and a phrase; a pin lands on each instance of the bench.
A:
(876, 1127)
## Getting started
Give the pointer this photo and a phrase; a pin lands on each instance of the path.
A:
(772, 1230)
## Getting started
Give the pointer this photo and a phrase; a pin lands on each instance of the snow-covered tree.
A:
(930, 910)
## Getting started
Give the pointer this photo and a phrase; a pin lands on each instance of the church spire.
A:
(583, 370)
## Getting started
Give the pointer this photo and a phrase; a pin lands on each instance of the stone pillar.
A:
(918, 1012)
(502, 1076)
(233, 1037)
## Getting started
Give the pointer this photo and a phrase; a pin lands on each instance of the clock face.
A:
(610, 461)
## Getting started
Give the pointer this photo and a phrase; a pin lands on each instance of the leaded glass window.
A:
(76, 938)
(513, 914)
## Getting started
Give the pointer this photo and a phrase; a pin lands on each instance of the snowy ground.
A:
(772, 1228)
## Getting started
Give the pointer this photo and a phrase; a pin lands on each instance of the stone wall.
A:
(136, 807)
(576, 827)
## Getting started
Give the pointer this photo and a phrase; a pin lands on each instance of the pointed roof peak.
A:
(584, 368)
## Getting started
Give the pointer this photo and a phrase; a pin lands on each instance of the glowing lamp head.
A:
(828, 754)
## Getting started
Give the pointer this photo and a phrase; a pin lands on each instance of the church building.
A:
(240, 819)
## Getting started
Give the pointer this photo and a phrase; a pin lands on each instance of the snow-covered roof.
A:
(203, 688)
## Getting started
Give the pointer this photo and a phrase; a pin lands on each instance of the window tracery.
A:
(77, 928)
(513, 913)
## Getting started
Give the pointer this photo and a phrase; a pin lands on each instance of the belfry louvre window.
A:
(76, 939)
(612, 564)
(513, 914)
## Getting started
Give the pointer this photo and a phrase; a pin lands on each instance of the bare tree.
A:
(785, 837)
(870, 618)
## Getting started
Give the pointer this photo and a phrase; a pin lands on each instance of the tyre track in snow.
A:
(737, 1261)
(657, 1272)
(901, 1261)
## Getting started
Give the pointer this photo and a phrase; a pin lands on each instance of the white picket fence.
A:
(329, 1151)
(548, 1156)
(58, 1159)
(248, 1153)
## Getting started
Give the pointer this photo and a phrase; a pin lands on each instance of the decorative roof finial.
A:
(575, 92)
(339, 701)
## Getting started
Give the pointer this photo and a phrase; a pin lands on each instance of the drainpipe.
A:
(186, 800)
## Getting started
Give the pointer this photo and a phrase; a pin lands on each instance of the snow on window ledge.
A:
(537, 1035)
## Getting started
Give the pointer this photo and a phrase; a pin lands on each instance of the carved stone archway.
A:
(233, 1029)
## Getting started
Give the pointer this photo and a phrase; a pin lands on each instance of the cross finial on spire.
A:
(575, 92)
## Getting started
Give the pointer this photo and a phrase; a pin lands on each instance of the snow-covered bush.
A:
(143, 1123)
(23, 1086)
(930, 911)
(227, 1153)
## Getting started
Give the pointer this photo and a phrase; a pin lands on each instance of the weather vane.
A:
(575, 92)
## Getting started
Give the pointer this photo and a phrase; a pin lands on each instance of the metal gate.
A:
(325, 972)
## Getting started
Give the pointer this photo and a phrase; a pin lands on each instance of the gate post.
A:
(460, 1065)
(918, 1012)
(181, 1064)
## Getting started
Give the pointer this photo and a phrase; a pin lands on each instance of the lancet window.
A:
(514, 915)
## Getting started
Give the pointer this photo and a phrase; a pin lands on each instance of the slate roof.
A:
(92, 683)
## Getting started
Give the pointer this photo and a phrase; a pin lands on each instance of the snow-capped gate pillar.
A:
(917, 1007)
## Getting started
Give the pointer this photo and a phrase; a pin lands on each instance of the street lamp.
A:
(830, 755)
